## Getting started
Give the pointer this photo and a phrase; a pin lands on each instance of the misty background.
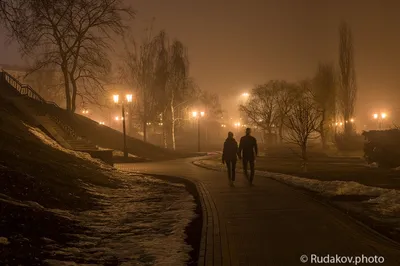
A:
(233, 46)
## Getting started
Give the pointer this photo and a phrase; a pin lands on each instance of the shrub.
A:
(383, 147)
(354, 142)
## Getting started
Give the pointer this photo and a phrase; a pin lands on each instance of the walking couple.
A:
(247, 152)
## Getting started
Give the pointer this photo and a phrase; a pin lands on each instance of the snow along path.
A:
(140, 223)
(386, 201)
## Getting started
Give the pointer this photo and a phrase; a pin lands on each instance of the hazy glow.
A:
(245, 94)
(116, 98)
(383, 115)
(194, 114)
(202, 113)
(375, 116)
(129, 98)
(352, 120)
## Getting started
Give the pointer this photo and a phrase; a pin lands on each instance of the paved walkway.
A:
(271, 223)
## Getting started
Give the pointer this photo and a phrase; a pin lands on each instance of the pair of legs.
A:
(246, 162)
(231, 165)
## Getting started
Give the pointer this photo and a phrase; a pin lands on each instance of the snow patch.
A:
(387, 201)
(49, 141)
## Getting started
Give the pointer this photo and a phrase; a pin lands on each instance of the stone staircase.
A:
(35, 108)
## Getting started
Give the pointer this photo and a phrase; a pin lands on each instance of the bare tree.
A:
(286, 95)
(139, 71)
(324, 91)
(348, 87)
(211, 104)
(173, 70)
(71, 34)
(303, 120)
(262, 106)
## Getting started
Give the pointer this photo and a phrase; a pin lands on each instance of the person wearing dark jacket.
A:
(247, 152)
(229, 156)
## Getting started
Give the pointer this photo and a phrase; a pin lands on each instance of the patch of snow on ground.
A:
(49, 141)
(142, 223)
(387, 201)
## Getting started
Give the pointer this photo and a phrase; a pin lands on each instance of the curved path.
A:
(270, 223)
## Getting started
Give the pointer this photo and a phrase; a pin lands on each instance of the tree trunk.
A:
(67, 90)
(74, 92)
(304, 156)
(323, 130)
(172, 122)
(348, 129)
(145, 115)
(164, 131)
(281, 131)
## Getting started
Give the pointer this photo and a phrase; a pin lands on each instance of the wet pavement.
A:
(271, 223)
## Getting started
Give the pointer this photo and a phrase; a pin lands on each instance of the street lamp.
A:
(380, 117)
(128, 99)
(198, 116)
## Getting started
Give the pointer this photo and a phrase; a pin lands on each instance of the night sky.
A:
(236, 44)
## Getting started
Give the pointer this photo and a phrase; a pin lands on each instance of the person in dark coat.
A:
(229, 156)
(247, 152)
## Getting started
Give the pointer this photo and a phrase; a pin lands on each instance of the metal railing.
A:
(65, 127)
(24, 89)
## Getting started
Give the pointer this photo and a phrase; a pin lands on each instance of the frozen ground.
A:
(141, 221)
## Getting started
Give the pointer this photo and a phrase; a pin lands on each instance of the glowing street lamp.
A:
(128, 99)
(245, 94)
(198, 115)
(380, 117)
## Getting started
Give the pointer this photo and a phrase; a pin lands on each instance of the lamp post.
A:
(128, 99)
(380, 117)
(197, 115)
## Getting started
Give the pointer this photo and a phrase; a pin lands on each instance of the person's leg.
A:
(228, 166)
(252, 170)
(245, 161)
(233, 170)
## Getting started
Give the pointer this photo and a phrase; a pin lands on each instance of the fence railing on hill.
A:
(24, 89)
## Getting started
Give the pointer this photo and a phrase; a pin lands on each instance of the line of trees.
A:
(158, 69)
(75, 38)
(309, 108)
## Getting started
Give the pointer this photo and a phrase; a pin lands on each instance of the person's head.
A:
(248, 131)
(230, 135)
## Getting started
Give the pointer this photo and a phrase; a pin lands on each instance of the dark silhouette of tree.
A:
(287, 93)
(73, 35)
(303, 120)
(262, 106)
(324, 91)
(348, 87)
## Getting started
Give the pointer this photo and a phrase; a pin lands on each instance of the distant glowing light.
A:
(101, 123)
(202, 113)
(194, 114)
(352, 120)
(129, 98)
(375, 116)
(383, 115)
(117, 118)
(116, 98)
